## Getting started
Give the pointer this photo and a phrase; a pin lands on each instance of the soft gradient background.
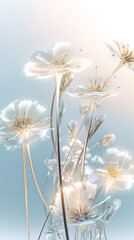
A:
(29, 25)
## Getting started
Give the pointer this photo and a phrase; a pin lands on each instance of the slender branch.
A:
(83, 121)
(86, 140)
(115, 70)
(51, 115)
(99, 190)
(78, 161)
(33, 174)
(45, 192)
(44, 226)
(58, 81)
(95, 145)
(77, 164)
(25, 187)
(104, 231)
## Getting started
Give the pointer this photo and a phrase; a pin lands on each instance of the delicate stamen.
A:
(82, 213)
(97, 85)
(60, 60)
(21, 123)
(127, 56)
(112, 172)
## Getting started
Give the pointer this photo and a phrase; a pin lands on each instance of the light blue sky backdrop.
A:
(29, 25)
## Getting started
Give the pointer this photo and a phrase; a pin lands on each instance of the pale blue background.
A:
(29, 25)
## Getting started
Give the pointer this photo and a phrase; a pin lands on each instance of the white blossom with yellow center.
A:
(115, 170)
(123, 52)
(80, 208)
(62, 59)
(22, 122)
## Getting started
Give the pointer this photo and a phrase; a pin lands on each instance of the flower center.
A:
(127, 56)
(60, 60)
(21, 123)
(112, 172)
(97, 85)
(80, 214)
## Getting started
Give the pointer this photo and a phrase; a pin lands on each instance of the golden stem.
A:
(99, 190)
(25, 187)
(58, 82)
(77, 164)
(115, 70)
(44, 226)
(76, 137)
(52, 136)
(32, 170)
(86, 140)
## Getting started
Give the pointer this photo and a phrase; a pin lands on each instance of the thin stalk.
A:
(51, 124)
(76, 237)
(95, 145)
(77, 164)
(99, 190)
(115, 70)
(25, 187)
(44, 225)
(54, 186)
(58, 81)
(45, 193)
(33, 174)
(83, 121)
(104, 231)
(49, 214)
(100, 233)
(78, 161)
(86, 140)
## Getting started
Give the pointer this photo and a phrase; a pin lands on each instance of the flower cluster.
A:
(77, 175)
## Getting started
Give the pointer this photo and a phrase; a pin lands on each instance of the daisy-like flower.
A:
(96, 89)
(62, 59)
(75, 152)
(114, 170)
(23, 122)
(124, 53)
(80, 208)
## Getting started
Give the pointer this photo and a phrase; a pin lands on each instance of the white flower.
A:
(88, 91)
(79, 203)
(23, 122)
(115, 170)
(124, 53)
(93, 89)
(61, 60)
(76, 150)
